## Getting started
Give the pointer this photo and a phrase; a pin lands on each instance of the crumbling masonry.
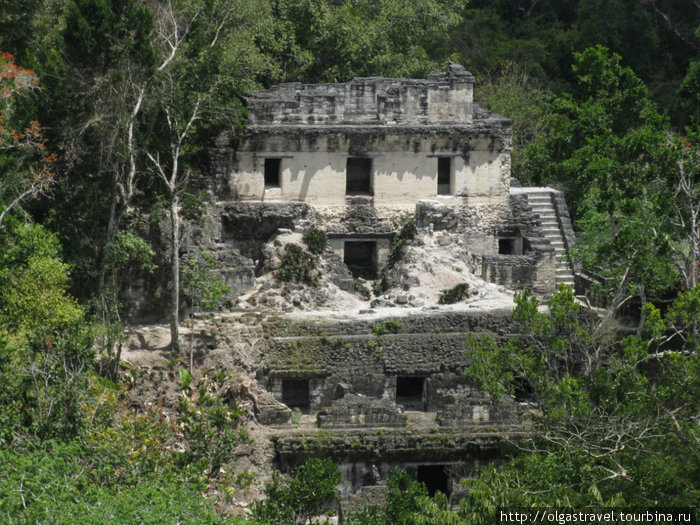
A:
(357, 160)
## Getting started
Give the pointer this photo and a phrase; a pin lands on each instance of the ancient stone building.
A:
(364, 156)
(358, 160)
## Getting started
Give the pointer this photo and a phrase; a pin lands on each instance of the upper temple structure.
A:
(390, 141)
(366, 155)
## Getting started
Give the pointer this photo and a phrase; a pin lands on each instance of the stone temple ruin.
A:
(362, 157)
(385, 383)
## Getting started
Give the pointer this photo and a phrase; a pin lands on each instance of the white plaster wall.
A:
(399, 177)
(483, 177)
(405, 177)
(247, 180)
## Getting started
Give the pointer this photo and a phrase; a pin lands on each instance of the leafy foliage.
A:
(113, 102)
(25, 165)
(389, 325)
(211, 429)
(50, 484)
(310, 491)
(362, 289)
(322, 41)
(407, 232)
(201, 283)
(457, 293)
(316, 240)
(297, 265)
(615, 424)
(608, 146)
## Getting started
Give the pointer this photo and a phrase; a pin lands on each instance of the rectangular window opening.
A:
(361, 258)
(444, 175)
(296, 393)
(409, 392)
(435, 477)
(506, 246)
(272, 173)
(358, 176)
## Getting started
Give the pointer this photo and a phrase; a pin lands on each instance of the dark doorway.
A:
(358, 177)
(506, 246)
(435, 478)
(272, 173)
(295, 393)
(409, 392)
(444, 175)
(360, 257)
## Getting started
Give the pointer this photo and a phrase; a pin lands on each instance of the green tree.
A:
(514, 93)
(203, 287)
(318, 40)
(207, 51)
(608, 146)
(614, 422)
(45, 348)
(310, 491)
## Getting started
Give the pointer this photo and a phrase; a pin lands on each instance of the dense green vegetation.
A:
(106, 110)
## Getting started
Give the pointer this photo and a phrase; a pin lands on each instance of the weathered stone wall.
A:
(370, 365)
(404, 162)
(564, 218)
(376, 446)
(444, 97)
(431, 321)
(367, 457)
(354, 410)
(536, 271)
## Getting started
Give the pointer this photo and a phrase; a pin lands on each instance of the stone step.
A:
(539, 198)
(553, 236)
(541, 204)
(539, 195)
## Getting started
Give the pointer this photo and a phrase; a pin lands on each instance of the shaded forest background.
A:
(108, 107)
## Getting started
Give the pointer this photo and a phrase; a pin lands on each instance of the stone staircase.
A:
(540, 200)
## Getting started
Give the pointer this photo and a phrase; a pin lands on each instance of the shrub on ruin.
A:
(316, 240)
(386, 326)
(455, 294)
(380, 285)
(362, 290)
(310, 492)
(408, 232)
(297, 265)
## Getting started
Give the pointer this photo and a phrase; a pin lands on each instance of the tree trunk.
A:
(175, 269)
